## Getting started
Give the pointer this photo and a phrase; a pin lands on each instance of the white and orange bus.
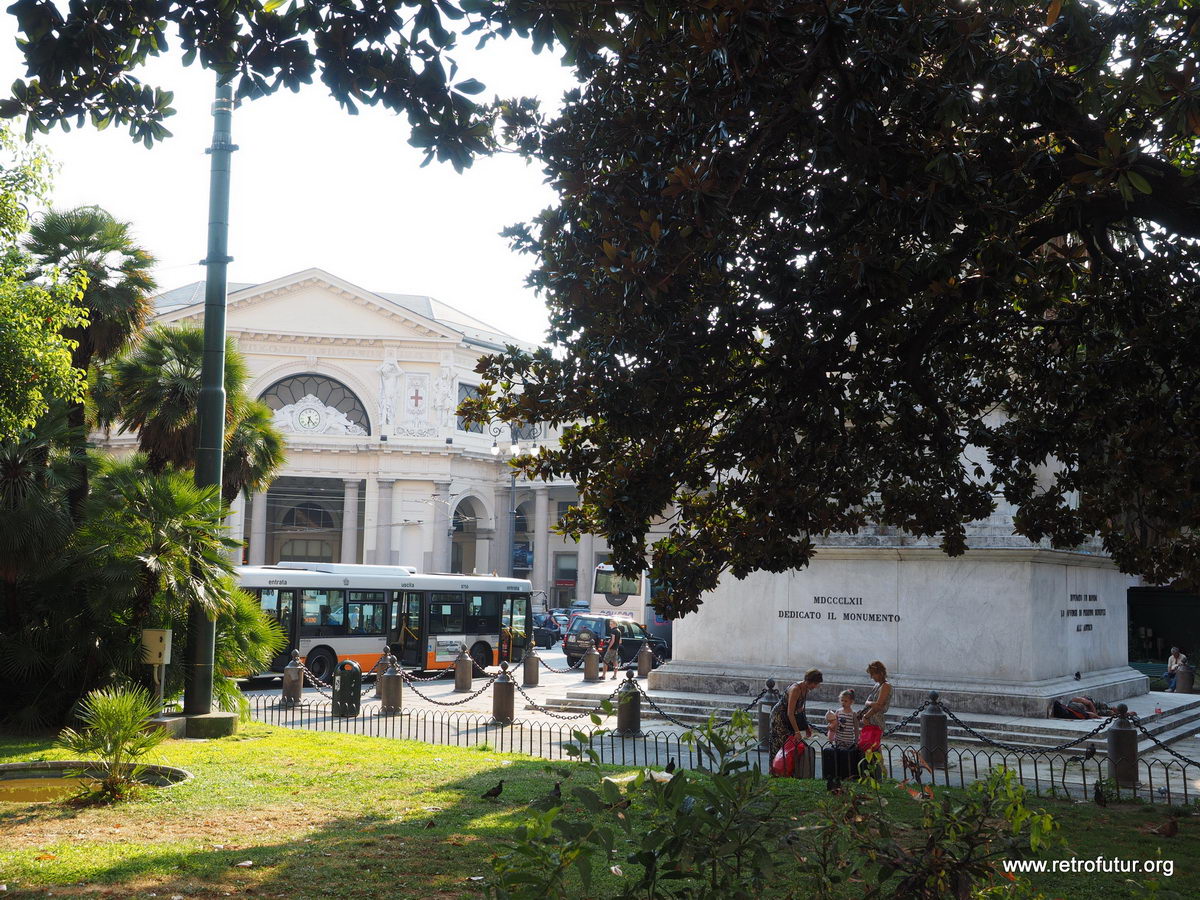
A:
(333, 611)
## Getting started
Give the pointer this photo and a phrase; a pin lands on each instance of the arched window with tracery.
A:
(316, 404)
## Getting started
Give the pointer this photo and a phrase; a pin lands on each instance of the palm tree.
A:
(254, 449)
(154, 389)
(117, 298)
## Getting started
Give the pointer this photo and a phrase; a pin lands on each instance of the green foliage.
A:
(153, 389)
(814, 268)
(35, 354)
(716, 832)
(117, 732)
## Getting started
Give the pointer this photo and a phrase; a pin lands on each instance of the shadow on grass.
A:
(438, 849)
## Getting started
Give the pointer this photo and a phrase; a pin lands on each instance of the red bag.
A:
(784, 763)
(871, 738)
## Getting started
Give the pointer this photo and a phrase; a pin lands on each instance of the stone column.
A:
(383, 527)
(538, 572)
(483, 554)
(398, 526)
(235, 526)
(258, 529)
(502, 561)
(370, 518)
(350, 522)
(441, 526)
(587, 568)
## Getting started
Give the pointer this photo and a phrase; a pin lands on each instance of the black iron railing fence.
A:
(1081, 775)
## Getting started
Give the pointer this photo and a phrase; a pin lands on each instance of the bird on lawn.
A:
(556, 794)
(492, 793)
(670, 766)
(1098, 794)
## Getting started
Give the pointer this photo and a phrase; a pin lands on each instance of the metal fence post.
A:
(463, 671)
(503, 691)
(391, 688)
(531, 672)
(645, 660)
(591, 664)
(1122, 749)
(293, 681)
(765, 706)
(629, 708)
(934, 740)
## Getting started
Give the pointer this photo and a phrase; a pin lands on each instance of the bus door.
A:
(517, 624)
(411, 636)
(280, 606)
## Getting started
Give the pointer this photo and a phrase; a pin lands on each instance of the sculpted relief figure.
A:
(390, 378)
(445, 400)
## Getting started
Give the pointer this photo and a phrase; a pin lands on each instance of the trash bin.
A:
(347, 688)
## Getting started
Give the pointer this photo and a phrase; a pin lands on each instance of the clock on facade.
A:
(309, 419)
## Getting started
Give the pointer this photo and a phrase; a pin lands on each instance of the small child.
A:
(843, 723)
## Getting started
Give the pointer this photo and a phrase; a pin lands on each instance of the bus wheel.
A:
(482, 654)
(320, 663)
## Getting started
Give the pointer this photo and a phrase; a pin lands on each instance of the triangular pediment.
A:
(314, 302)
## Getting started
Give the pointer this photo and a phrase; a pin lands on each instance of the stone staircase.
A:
(1176, 722)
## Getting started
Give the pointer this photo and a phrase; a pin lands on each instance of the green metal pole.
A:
(202, 631)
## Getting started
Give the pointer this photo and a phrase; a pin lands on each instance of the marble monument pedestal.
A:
(1001, 629)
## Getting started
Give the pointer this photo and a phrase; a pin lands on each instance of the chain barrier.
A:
(536, 706)
(1028, 751)
(749, 706)
(441, 673)
(658, 709)
(487, 684)
(570, 668)
(909, 718)
(482, 670)
(1161, 746)
(316, 682)
(364, 687)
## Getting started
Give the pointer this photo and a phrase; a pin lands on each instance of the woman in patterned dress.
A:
(787, 718)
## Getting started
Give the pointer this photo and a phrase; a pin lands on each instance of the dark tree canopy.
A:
(819, 265)
(814, 264)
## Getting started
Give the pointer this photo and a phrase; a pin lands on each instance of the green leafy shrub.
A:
(117, 732)
(717, 832)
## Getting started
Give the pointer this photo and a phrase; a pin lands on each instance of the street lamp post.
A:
(210, 440)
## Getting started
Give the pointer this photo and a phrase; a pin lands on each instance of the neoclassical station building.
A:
(379, 468)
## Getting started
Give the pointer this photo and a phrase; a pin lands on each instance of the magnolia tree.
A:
(806, 257)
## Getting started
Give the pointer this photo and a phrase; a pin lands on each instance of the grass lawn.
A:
(333, 815)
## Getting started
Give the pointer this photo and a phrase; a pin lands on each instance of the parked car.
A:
(547, 630)
(588, 628)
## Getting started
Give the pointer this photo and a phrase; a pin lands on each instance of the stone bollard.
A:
(765, 707)
(1122, 749)
(503, 691)
(1185, 680)
(629, 708)
(591, 664)
(645, 660)
(463, 671)
(934, 741)
(532, 665)
(293, 681)
(391, 688)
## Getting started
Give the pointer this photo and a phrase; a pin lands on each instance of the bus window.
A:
(412, 617)
(268, 599)
(365, 612)
(322, 612)
(483, 613)
(445, 613)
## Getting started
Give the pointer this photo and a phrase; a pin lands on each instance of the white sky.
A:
(314, 186)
